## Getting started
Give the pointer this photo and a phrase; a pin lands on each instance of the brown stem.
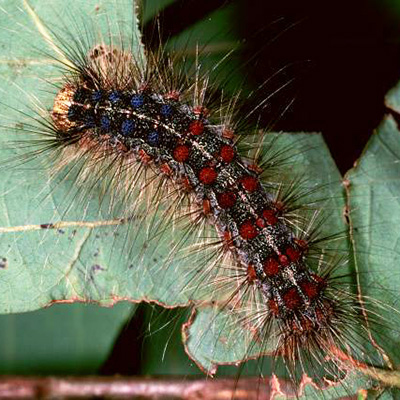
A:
(132, 388)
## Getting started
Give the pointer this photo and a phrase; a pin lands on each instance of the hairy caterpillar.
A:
(116, 73)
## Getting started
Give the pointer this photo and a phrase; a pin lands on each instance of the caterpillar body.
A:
(150, 138)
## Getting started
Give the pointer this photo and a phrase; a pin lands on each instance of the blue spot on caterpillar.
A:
(105, 122)
(97, 95)
(275, 275)
(137, 100)
(153, 138)
(166, 109)
(127, 127)
(114, 96)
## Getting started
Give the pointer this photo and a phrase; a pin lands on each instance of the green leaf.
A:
(392, 99)
(374, 193)
(63, 339)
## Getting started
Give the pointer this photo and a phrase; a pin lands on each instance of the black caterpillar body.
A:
(160, 131)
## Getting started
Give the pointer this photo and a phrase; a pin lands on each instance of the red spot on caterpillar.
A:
(206, 206)
(321, 281)
(227, 238)
(293, 254)
(121, 147)
(284, 260)
(251, 273)
(227, 153)
(248, 230)
(301, 243)
(166, 169)
(186, 185)
(270, 216)
(273, 307)
(292, 299)
(271, 267)
(260, 223)
(144, 157)
(228, 133)
(310, 289)
(226, 199)
(249, 183)
(196, 127)
(207, 175)
(255, 168)
(200, 110)
(173, 95)
(181, 153)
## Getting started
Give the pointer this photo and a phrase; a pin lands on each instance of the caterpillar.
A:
(207, 213)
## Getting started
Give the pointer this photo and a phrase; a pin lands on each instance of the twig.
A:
(132, 388)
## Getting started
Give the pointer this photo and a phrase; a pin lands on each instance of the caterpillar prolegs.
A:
(187, 204)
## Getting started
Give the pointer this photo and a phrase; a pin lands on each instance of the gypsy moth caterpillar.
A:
(109, 86)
